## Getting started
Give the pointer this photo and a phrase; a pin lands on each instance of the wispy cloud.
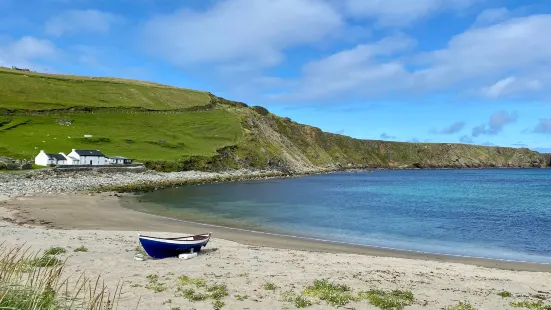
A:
(401, 12)
(544, 126)
(495, 125)
(452, 129)
(26, 51)
(78, 21)
(246, 34)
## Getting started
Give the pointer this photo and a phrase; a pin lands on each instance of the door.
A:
(90, 162)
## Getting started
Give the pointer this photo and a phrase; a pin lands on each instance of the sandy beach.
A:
(245, 262)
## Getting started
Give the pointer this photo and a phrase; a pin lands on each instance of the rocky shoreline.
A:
(50, 181)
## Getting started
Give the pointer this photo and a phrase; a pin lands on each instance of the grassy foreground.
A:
(34, 281)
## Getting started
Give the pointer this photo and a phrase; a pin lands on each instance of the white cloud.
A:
(23, 52)
(492, 16)
(76, 21)
(510, 85)
(502, 60)
(401, 12)
(239, 32)
(519, 45)
(353, 71)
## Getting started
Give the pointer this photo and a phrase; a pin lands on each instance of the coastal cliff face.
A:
(279, 143)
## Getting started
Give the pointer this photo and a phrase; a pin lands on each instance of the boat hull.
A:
(164, 248)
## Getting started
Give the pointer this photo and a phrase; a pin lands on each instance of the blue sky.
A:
(469, 71)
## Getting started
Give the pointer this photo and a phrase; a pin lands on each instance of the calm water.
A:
(501, 214)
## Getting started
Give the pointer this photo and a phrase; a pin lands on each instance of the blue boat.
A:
(171, 247)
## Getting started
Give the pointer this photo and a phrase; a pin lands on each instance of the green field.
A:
(33, 91)
(143, 136)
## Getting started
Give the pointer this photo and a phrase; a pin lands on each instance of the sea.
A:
(501, 214)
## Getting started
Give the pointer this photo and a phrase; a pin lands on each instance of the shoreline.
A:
(106, 212)
(51, 181)
(392, 252)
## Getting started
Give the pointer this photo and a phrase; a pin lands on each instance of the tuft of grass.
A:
(191, 295)
(269, 286)
(217, 291)
(532, 305)
(461, 306)
(393, 300)
(32, 282)
(241, 297)
(154, 284)
(43, 261)
(81, 249)
(55, 251)
(504, 294)
(243, 275)
(218, 304)
(198, 282)
(333, 294)
(297, 300)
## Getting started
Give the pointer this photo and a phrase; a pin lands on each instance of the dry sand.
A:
(109, 232)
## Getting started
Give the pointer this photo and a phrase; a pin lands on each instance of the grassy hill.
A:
(24, 91)
(171, 128)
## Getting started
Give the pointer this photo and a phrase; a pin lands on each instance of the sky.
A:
(453, 71)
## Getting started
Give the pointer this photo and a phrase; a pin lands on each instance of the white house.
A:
(119, 160)
(71, 160)
(89, 157)
(45, 159)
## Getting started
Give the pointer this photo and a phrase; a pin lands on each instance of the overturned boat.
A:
(172, 247)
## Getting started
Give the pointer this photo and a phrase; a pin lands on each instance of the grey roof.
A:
(89, 153)
(56, 156)
(118, 157)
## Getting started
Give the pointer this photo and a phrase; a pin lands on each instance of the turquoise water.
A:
(494, 213)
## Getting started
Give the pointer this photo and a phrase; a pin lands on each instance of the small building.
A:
(47, 159)
(71, 160)
(89, 157)
(119, 160)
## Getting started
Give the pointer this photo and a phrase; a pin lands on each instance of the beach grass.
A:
(504, 294)
(55, 251)
(269, 286)
(81, 249)
(461, 306)
(202, 290)
(154, 285)
(388, 300)
(333, 294)
(530, 304)
(27, 285)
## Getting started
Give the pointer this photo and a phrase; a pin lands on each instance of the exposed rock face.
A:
(279, 143)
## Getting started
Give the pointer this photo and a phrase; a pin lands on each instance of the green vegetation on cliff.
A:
(175, 129)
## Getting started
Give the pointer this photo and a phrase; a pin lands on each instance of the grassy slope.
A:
(28, 91)
(144, 136)
(226, 134)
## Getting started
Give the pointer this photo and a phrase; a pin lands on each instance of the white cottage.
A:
(89, 157)
(71, 160)
(46, 159)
